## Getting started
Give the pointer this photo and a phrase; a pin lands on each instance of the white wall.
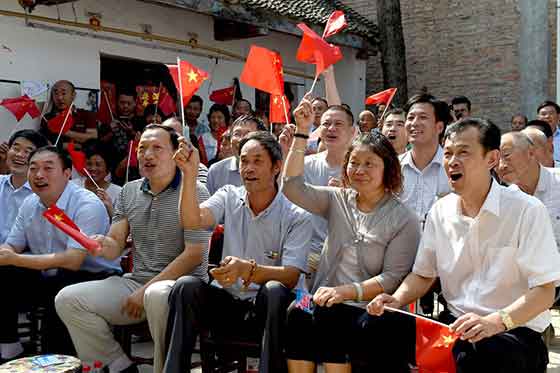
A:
(39, 54)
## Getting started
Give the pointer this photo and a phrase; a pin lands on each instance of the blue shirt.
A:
(278, 236)
(10, 201)
(32, 231)
(224, 172)
(556, 141)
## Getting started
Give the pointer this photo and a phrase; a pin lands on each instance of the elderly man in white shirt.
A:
(422, 166)
(494, 251)
(520, 168)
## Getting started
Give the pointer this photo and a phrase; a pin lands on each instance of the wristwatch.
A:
(506, 319)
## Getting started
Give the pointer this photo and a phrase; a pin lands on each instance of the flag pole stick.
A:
(313, 84)
(104, 94)
(63, 124)
(91, 178)
(416, 315)
(130, 146)
(285, 110)
(186, 129)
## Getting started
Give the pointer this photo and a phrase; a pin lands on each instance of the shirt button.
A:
(155, 198)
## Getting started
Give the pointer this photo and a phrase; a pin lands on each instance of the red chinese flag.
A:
(59, 219)
(104, 113)
(167, 104)
(19, 106)
(62, 119)
(78, 158)
(315, 50)
(190, 80)
(133, 151)
(434, 344)
(223, 96)
(277, 113)
(263, 70)
(383, 97)
(335, 24)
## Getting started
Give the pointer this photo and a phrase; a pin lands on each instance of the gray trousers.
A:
(89, 309)
(195, 305)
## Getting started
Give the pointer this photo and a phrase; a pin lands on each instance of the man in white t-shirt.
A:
(494, 251)
(324, 168)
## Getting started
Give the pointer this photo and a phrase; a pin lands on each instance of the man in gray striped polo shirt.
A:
(266, 240)
(164, 251)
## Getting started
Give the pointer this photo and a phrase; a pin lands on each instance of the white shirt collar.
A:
(406, 158)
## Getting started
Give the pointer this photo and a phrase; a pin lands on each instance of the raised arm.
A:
(190, 213)
(312, 199)
(333, 97)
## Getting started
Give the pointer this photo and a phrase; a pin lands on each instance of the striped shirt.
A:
(156, 230)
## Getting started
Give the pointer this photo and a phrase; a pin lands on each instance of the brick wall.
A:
(463, 47)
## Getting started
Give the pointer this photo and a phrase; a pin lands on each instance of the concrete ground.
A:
(145, 349)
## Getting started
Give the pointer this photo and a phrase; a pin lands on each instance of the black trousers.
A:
(24, 289)
(344, 333)
(194, 305)
(520, 350)
(515, 351)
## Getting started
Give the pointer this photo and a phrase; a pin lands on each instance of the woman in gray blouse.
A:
(370, 247)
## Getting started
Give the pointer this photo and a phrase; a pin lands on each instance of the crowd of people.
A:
(362, 214)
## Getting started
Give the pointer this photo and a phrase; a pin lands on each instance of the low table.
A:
(69, 364)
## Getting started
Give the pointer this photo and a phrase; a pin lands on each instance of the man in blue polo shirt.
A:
(38, 260)
(266, 240)
(14, 187)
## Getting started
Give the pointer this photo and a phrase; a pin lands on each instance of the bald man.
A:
(367, 121)
(521, 170)
(541, 146)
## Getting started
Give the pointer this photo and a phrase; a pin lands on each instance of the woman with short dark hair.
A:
(370, 248)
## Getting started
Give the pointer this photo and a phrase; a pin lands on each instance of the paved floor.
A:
(145, 349)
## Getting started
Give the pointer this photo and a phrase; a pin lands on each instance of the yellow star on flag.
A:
(59, 217)
(193, 76)
(275, 100)
(155, 96)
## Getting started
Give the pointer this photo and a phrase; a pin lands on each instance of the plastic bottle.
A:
(86, 368)
(97, 367)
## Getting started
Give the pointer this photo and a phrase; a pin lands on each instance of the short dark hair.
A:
(242, 100)
(248, 118)
(222, 109)
(34, 137)
(461, 100)
(127, 91)
(489, 134)
(268, 141)
(541, 125)
(549, 103)
(380, 145)
(322, 99)
(344, 109)
(173, 135)
(393, 111)
(152, 109)
(441, 109)
(195, 99)
(62, 154)
(94, 147)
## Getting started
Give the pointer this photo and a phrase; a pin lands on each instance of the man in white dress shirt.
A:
(521, 170)
(493, 249)
(422, 166)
